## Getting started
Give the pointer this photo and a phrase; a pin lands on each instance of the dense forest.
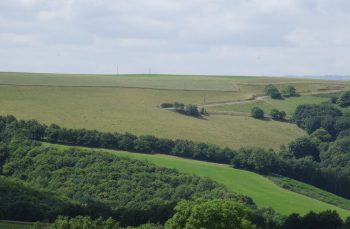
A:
(94, 184)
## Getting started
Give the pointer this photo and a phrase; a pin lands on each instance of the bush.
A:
(277, 115)
(333, 99)
(273, 92)
(344, 99)
(192, 110)
(291, 91)
(166, 105)
(257, 112)
(303, 147)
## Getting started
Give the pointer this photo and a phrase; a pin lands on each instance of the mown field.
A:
(262, 190)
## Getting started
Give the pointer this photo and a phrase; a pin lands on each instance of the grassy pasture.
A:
(263, 191)
(288, 104)
(174, 82)
(137, 111)
(130, 103)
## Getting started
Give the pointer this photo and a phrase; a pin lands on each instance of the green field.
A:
(262, 190)
(288, 104)
(311, 191)
(130, 103)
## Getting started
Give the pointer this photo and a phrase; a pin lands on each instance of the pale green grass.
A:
(225, 83)
(263, 191)
(137, 111)
(288, 104)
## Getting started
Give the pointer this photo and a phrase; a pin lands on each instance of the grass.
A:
(263, 191)
(130, 103)
(178, 82)
(288, 104)
(137, 111)
(311, 191)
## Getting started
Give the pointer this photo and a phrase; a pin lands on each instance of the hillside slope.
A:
(263, 191)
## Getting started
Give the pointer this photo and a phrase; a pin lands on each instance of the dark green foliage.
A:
(256, 159)
(203, 111)
(314, 116)
(273, 92)
(191, 110)
(322, 135)
(333, 99)
(217, 214)
(277, 115)
(133, 192)
(179, 106)
(257, 112)
(344, 99)
(303, 147)
(127, 141)
(290, 91)
(323, 220)
(86, 222)
(341, 145)
(166, 105)
(342, 123)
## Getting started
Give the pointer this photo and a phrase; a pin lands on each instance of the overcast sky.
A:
(232, 37)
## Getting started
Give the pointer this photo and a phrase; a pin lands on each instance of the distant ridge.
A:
(326, 77)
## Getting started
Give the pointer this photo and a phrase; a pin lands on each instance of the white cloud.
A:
(194, 36)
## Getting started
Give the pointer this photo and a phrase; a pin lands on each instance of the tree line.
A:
(322, 164)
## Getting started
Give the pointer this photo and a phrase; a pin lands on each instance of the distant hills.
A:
(327, 77)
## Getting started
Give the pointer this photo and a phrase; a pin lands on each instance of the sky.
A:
(222, 37)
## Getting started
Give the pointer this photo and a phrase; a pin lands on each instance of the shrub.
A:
(291, 91)
(273, 92)
(344, 99)
(257, 112)
(277, 115)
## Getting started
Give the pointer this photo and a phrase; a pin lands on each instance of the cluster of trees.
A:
(222, 214)
(129, 142)
(274, 93)
(189, 109)
(343, 100)
(275, 114)
(218, 214)
(64, 222)
(314, 116)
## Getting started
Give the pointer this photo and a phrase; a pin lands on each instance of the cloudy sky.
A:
(232, 37)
